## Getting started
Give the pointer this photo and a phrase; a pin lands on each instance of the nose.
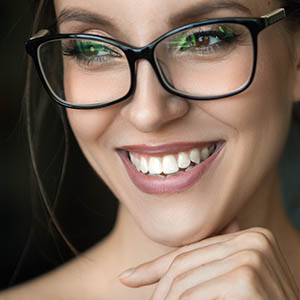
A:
(151, 107)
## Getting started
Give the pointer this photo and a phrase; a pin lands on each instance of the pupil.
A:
(91, 51)
(203, 41)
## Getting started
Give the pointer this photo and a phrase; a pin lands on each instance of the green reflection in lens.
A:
(186, 40)
(228, 31)
(89, 48)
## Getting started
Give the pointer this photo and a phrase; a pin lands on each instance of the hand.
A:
(239, 265)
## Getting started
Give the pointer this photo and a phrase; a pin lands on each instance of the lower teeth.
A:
(171, 175)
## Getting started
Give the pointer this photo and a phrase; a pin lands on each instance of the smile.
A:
(171, 164)
(169, 168)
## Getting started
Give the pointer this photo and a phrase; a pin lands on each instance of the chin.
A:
(176, 232)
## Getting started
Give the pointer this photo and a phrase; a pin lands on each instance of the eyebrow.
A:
(84, 16)
(192, 13)
(198, 11)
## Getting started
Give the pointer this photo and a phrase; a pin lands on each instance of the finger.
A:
(219, 250)
(283, 271)
(235, 248)
(241, 283)
(207, 272)
(151, 272)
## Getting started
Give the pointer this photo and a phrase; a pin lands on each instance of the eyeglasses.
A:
(207, 60)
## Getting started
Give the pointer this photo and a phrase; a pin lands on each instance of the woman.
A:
(187, 133)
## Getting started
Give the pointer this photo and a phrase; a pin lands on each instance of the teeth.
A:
(159, 176)
(204, 154)
(190, 168)
(155, 166)
(170, 164)
(183, 160)
(135, 161)
(167, 166)
(212, 149)
(195, 156)
(144, 165)
(179, 173)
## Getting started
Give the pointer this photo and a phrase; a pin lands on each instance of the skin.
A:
(233, 242)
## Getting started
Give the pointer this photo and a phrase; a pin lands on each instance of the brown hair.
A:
(37, 111)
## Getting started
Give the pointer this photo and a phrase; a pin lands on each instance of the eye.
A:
(90, 52)
(200, 40)
(203, 38)
(91, 49)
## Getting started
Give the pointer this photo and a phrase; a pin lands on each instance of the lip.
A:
(165, 149)
(174, 184)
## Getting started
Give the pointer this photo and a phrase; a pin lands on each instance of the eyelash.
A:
(223, 42)
(184, 46)
(73, 51)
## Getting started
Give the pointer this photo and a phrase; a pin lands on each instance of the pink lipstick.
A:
(171, 184)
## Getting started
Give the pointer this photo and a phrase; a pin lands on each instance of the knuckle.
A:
(267, 232)
(254, 238)
(251, 257)
(179, 261)
(245, 274)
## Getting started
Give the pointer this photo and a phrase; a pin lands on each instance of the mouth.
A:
(169, 168)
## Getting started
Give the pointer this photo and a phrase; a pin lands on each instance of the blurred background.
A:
(27, 246)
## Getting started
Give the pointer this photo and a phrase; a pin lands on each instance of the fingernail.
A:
(126, 273)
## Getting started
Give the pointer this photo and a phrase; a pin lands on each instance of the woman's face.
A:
(159, 130)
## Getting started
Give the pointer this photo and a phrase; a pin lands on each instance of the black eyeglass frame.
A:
(254, 25)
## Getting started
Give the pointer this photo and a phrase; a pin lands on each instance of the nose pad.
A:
(151, 107)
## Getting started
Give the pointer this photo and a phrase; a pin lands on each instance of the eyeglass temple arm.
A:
(40, 33)
(275, 16)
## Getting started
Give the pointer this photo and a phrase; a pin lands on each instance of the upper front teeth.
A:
(155, 166)
(183, 160)
(195, 156)
(170, 164)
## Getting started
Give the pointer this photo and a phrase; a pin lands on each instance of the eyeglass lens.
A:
(204, 61)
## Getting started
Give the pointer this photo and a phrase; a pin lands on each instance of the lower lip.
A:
(174, 184)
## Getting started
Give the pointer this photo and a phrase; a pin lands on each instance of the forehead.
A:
(146, 19)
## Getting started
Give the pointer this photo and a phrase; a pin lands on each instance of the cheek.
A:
(264, 109)
(91, 129)
(257, 123)
(86, 85)
(91, 126)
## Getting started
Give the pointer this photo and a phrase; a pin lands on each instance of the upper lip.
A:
(167, 148)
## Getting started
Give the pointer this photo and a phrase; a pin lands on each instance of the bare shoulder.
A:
(74, 280)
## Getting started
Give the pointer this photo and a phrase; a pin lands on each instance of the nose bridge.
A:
(151, 106)
(146, 53)
(143, 53)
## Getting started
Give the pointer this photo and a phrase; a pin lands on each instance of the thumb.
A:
(149, 272)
